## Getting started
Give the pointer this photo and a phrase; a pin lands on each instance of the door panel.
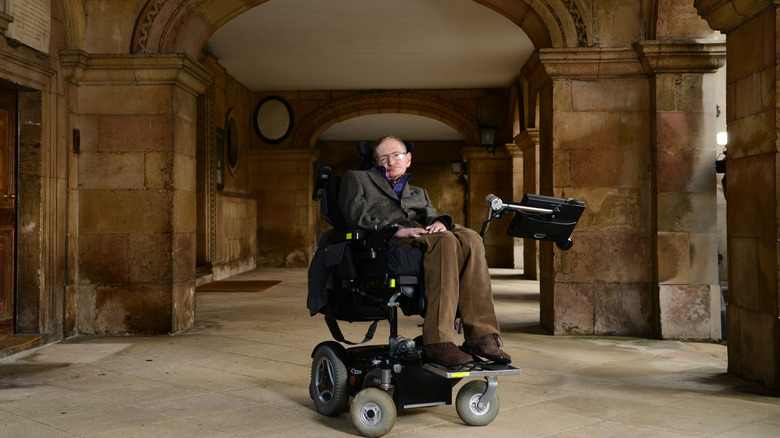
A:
(8, 102)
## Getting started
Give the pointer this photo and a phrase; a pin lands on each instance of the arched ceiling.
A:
(372, 45)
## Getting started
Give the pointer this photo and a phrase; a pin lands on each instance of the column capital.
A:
(726, 15)
(527, 139)
(681, 56)
(80, 68)
(582, 63)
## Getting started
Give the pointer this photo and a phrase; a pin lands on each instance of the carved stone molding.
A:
(681, 56)
(80, 67)
(583, 64)
(726, 15)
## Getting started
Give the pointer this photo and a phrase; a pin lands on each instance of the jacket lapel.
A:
(382, 183)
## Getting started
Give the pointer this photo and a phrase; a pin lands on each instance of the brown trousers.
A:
(456, 277)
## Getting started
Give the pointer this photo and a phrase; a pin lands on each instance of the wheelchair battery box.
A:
(555, 227)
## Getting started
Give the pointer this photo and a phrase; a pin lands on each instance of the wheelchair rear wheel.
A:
(328, 387)
(373, 412)
(468, 407)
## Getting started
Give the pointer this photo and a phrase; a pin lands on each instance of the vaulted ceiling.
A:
(372, 45)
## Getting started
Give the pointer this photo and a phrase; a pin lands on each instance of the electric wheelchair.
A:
(356, 275)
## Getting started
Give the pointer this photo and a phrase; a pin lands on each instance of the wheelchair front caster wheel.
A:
(373, 412)
(468, 406)
(328, 387)
(565, 245)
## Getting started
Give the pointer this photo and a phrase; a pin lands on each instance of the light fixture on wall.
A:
(487, 137)
(457, 167)
(720, 162)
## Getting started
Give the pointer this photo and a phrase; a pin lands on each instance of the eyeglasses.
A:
(396, 156)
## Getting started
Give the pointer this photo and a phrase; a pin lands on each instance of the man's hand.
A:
(411, 233)
(435, 227)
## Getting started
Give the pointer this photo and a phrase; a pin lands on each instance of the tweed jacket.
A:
(368, 202)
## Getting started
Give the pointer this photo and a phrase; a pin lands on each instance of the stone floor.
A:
(244, 369)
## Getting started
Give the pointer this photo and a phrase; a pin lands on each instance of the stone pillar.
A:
(753, 195)
(528, 142)
(132, 189)
(594, 147)
(283, 180)
(683, 80)
(517, 194)
(490, 173)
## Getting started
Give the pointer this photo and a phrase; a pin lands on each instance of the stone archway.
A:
(184, 26)
(306, 134)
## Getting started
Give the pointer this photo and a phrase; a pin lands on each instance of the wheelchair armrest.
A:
(349, 236)
(381, 238)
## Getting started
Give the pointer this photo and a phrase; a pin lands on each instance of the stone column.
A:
(283, 180)
(594, 147)
(528, 142)
(490, 173)
(516, 155)
(753, 188)
(683, 80)
(132, 189)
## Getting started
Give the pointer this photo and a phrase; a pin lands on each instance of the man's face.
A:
(395, 168)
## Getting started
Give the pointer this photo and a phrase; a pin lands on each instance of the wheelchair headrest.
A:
(364, 149)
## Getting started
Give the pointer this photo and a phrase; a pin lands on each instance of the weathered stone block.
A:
(704, 258)
(135, 133)
(744, 281)
(757, 339)
(674, 170)
(685, 311)
(610, 257)
(126, 211)
(125, 99)
(573, 309)
(673, 258)
(608, 168)
(622, 309)
(101, 171)
(621, 209)
(611, 95)
(687, 212)
(183, 257)
(587, 130)
(184, 172)
(102, 258)
(135, 309)
(752, 189)
(183, 305)
(184, 212)
(150, 258)
(158, 170)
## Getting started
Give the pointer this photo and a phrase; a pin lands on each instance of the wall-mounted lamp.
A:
(720, 162)
(457, 167)
(487, 136)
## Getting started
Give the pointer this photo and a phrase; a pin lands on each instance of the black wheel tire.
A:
(466, 404)
(328, 387)
(565, 245)
(373, 412)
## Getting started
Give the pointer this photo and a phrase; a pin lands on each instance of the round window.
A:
(231, 143)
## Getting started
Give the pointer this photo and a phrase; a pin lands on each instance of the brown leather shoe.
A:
(488, 347)
(447, 354)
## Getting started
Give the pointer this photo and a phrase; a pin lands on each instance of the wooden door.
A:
(8, 103)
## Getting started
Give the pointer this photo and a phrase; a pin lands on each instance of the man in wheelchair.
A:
(455, 268)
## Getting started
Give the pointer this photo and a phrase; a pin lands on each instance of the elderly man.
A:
(455, 268)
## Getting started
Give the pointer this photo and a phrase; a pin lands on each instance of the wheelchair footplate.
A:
(484, 369)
